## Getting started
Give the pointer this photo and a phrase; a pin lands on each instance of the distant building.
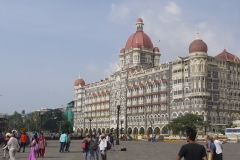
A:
(151, 94)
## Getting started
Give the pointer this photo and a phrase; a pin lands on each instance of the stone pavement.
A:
(136, 150)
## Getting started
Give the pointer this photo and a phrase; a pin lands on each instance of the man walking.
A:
(192, 150)
(85, 147)
(218, 145)
(103, 147)
(95, 147)
(63, 141)
(68, 142)
(23, 141)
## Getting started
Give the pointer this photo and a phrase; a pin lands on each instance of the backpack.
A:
(111, 138)
(108, 146)
(84, 144)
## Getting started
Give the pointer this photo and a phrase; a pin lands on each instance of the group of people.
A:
(194, 151)
(65, 141)
(91, 146)
(14, 142)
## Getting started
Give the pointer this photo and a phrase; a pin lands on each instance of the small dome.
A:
(139, 20)
(79, 81)
(122, 50)
(198, 46)
(156, 49)
(226, 56)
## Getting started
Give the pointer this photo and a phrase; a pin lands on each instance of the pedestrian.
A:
(219, 148)
(192, 150)
(6, 150)
(95, 147)
(111, 139)
(63, 141)
(68, 142)
(85, 147)
(42, 144)
(13, 146)
(103, 147)
(23, 141)
(34, 147)
(211, 149)
(91, 148)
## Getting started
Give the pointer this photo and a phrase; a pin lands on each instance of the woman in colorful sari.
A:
(33, 152)
(42, 144)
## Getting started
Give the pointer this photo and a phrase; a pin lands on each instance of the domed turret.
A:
(198, 45)
(122, 51)
(156, 50)
(79, 81)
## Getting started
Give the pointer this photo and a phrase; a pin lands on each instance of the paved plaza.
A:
(136, 150)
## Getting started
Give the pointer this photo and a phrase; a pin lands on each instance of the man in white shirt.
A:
(103, 147)
(218, 145)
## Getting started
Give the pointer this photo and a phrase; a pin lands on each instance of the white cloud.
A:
(119, 13)
(112, 67)
(173, 8)
(92, 67)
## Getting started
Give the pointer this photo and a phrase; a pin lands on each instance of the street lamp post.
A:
(90, 131)
(117, 140)
(41, 114)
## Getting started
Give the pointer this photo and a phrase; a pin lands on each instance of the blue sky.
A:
(44, 45)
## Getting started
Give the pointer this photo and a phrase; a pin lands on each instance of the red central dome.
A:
(139, 39)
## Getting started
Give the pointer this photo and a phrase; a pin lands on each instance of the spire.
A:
(139, 24)
(197, 33)
(79, 75)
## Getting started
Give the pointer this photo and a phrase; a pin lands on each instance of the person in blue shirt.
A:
(63, 141)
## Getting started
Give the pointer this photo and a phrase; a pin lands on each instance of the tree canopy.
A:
(187, 121)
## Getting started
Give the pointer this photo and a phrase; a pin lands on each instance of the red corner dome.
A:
(156, 49)
(198, 46)
(122, 50)
(226, 56)
(138, 40)
(79, 81)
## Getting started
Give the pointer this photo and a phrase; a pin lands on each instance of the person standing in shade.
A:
(95, 147)
(68, 142)
(86, 145)
(13, 146)
(103, 147)
(219, 149)
(111, 139)
(192, 150)
(23, 141)
(63, 141)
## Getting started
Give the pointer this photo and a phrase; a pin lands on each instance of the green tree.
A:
(65, 125)
(187, 121)
(51, 119)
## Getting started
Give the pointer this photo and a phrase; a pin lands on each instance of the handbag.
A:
(36, 147)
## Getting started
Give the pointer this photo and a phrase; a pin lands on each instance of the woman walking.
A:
(13, 147)
(34, 148)
(42, 144)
